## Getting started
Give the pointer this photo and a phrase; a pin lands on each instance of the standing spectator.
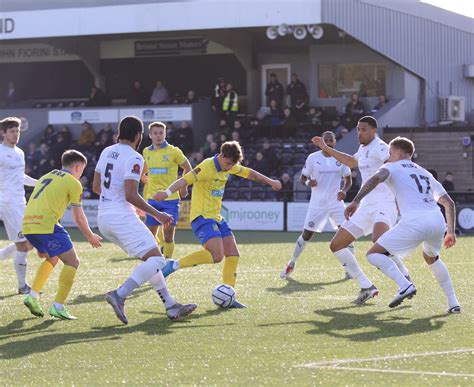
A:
(286, 192)
(448, 182)
(49, 136)
(274, 90)
(11, 97)
(380, 105)
(87, 136)
(296, 90)
(138, 95)
(230, 106)
(160, 94)
(218, 95)
(354, 110)
(97, 97)
(190, 97)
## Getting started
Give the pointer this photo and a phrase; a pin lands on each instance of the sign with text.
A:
(21, 53)
(465, 218)
(253, 215)
(168, 113)
(93, 116)
(179, 46)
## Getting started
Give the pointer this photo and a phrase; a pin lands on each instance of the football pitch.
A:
(304, 331)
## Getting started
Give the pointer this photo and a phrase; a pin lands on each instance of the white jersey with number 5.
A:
(116, 164)
(413, 186)
(370, 158)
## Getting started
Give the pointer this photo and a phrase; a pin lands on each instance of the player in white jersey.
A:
(116, 180)
(12, 197)
(421, 221)
(323, 174)
(378, 211)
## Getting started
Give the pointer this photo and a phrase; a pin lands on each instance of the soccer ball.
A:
(223, 295)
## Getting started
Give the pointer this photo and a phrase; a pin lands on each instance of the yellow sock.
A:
(66, 279)
(229, 272)
(168, 249)
(160, 236)
(196, 258)
(42, 275)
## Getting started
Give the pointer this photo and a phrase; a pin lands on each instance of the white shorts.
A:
(12, 216)
(427, 228)
(363, 220)
(316, 218)
(127, 231)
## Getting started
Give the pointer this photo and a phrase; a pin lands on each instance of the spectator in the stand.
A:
(207, 144)
(274, 90)
(176, 99)
(313, 116)
(11, 96)
(213, 149)
(238, 127)
(343, 133)
(255, 127)
(286, 192)
(50, 136)
(276, 113)
(86, 191)
(97, 97)
(448, 182)
(380, 105)
(260, 164)
(66, 133)
(32, 157)
(353, 111)
(230, 106)
(296, 90)
(104, 141)
(270, 155)
(191, 97)
(138, 95)
(108, 131)
(235, 136)
(337, 128)
(58, 149)
(289, 124)
(183, 138)
(300, 110)
(87, 136)
(218, 95)
(43, 160)
(434, 173)
(196, 158)
(160, 94)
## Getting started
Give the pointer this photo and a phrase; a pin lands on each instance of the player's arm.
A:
(305, 180)
(251, 174)
(186, 167)
(341, 195)
(29, 181)
(198, 173)
(450, 211)
(81, 220)
(133, 197)
(144, 177)
(344, 158)
(96, 183)
(380, 176)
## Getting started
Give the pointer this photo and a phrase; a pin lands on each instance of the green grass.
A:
(308, 319)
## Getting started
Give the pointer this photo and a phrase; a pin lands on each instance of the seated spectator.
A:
(289, 124)
(260, 164)
(286, 192)
(274, 90)
(138, 95)
(87, 136)
(97, 97)
(343, 133)
(209, 139)
(337, 128)
(300, 110)
(196, 158)
(191, 97)
(160, 94)
(270, 155)
(276, 114)
(104, 141)
(313, 116)
(184, 137)
(66, 133)
(434, 173)
(448, 182)
(213, 149)
(222, 139)
(57, 150)
(223, 127)
(32, 155)
(108, 131)
(235, 136)
(86, 190)
(176, 99)
(380, 105)
(353, 111)
(49, 136)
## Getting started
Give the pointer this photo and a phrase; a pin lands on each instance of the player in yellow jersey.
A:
(161, 168)
(209, 179)
(48, 202)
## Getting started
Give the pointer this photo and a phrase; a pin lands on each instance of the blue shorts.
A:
(54, 244)
(205, 229)
(171, 207)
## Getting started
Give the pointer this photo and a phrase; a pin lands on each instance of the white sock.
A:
(388, 267)
(351, 248)
(441, 273)
(20, 267)
(299, 247)
(351, 265)
(7, 252)
(401, 266)
(159, 284)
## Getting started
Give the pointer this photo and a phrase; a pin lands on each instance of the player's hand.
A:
(95, 240)
(319, 142)
(312, 183)
(341, 195)
(183, 192)
(145, 178)
(163, 218)
(160, 196)
(449, 240)
(350, 209)
(140, 212)
(276, 185)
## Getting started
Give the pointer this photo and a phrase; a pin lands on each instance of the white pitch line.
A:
(381, 358)
(361, 369)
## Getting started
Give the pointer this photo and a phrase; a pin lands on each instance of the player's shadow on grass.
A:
(8, 296)
(15, 328)
(122, 259)
(293, 286)
(85, 299)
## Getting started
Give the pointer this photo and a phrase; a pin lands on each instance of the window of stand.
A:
(342, 80)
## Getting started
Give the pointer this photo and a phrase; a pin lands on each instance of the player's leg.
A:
(20, 265)
(168, 242)
(231, 261)
(43, 273)
(300, 245)
(7, 252)
(336, 219)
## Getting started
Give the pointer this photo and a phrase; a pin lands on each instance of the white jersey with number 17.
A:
(116, 164)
